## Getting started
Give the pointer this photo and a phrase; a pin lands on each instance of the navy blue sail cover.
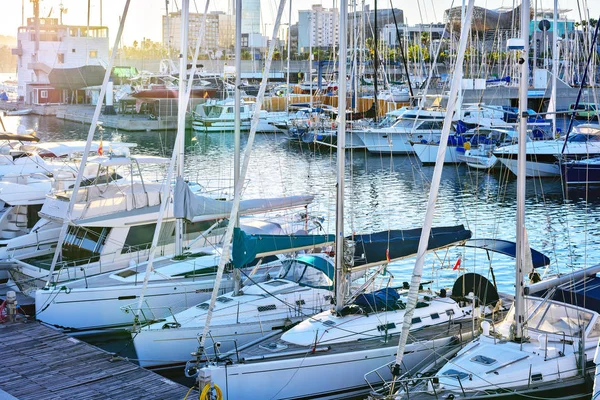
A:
(383, 299)
(371, 249)
(385, 246)
(508, 249)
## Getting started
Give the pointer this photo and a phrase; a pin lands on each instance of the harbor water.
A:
(382, 193)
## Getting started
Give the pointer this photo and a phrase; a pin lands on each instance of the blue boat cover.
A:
(380, 300)
(583, 293)
(246, 247)
(371, 249)
(395, 244)
(319, 263)
(507, 248)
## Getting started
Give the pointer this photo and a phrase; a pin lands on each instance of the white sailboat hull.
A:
(389, 142)
(427, 153)
(324, 376)
(232, 327)
(479, 162)
(107, 307)
(533, 169)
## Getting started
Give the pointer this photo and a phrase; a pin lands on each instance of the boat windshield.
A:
(558, 318)
(582, 138)
(405, 123)
(213, 111)
(585, 133)
(304, 274)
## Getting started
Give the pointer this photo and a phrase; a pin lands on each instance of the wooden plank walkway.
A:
(39, 362)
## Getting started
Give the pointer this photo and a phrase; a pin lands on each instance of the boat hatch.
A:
(203, 306)
(126, 273)
(329, 322)
(537, 377)
(275, 283)
(483, 360)
(452, 373)
(386, 327)
(273, 346)
(223, 299)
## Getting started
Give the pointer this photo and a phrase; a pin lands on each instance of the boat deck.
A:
(41, 362)
(460, 329)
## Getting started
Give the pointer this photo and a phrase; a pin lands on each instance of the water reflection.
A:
(384, 192)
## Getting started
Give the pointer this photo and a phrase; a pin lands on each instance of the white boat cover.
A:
(196, 208)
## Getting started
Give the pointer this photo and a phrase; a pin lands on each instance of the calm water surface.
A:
(384, 192)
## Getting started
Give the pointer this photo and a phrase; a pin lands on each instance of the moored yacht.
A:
(542, 158)
(219, 116)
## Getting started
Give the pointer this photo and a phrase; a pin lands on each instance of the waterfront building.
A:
(44, 45)
(413, 33)
(219, 32)
(251, 16)
(317, 28)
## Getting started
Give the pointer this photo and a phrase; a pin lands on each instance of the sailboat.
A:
(328, 354)
(545, 345)
(92, 297)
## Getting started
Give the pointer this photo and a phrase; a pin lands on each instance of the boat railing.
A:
(406, 386)
(377, 378)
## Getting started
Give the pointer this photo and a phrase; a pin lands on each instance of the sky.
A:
(144, 16)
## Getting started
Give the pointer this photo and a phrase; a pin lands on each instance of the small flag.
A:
(387, 255)
(100, 149)
(457, 265)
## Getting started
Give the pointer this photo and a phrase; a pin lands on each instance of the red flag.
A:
(387, 255)
(457, 265)
(100, 149)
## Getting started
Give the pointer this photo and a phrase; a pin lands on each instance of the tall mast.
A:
(341, 161)
(237, 121)
(554, 66)
(519, 324)
(375, 63)
(183, 45)
(226, 249)
(289, 44)
(412, 95)
(310, 59)
(413, 292)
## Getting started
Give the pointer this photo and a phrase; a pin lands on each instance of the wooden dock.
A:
(39, 362)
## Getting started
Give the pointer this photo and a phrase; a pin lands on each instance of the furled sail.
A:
(247, 247)
(376, 248)
(370, 250)
(197, 208)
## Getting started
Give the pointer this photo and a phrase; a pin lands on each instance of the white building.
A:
(57, 47)
(219, 32)
(389, 37)
(317, 27)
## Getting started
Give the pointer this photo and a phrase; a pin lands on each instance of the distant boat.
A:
(581, 171)
(23, 111)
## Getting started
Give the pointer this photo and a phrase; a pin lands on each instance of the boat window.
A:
(215, 111)
(404, 123)
(453, 373)
(303, 274)
(431, 125)
(268, 307)
(82, 243)
(560, 318)
(595, 332)
(582, 138)
(483, 360)
(140, 237)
